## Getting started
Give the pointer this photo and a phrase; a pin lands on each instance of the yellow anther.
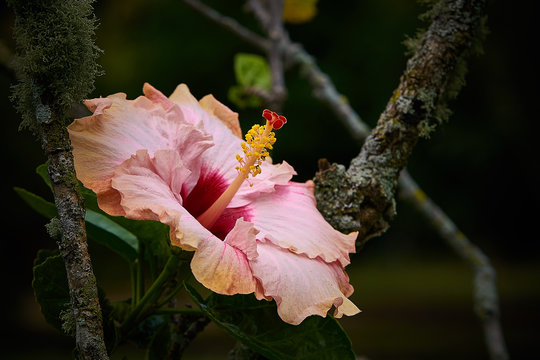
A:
(258, 139)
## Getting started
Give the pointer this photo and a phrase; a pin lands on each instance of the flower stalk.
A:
(152, 295)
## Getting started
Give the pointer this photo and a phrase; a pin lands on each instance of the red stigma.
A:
(277, 121)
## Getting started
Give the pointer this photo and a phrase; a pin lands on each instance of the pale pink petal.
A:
(289, 218)
(147, 185)
(223, 266)
(157, 97)
(302, 286)
(265, 182)
(223, 113)
(221, 158)
(120, 127)
(189, 104)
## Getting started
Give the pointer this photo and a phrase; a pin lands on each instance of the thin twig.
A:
(485, 288)
(323, 87)
(186, 330)
(270, 16)
(231, 25)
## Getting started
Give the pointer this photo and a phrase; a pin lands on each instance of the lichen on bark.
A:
(364, 192)
(56, 67)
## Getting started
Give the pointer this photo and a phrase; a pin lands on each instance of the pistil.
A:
(258, 140)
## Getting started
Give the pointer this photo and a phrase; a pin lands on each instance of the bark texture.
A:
(361, 198)
(73, 245)
(56, 67)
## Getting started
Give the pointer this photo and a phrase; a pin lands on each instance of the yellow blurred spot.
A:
(299, 11)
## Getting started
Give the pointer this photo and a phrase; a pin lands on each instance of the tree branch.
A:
(56, 67)
(362, 197)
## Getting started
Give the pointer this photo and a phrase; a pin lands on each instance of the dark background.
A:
(481, 168)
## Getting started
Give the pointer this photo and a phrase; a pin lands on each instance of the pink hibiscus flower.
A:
(177, 160)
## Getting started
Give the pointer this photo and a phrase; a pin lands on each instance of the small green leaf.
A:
(257, 325)
(252, 70)
(51, 287)
(42, 171)
(100, 228)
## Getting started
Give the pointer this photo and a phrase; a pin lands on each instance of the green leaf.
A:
(51, 287)
(37, 203)
(112, 235)
(252, 70)
(42, 171)
(100, 228)
(51, 290)
(257, 325)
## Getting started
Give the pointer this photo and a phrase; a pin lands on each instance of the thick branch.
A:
(73, 246)
(362, 197)
(56, 67)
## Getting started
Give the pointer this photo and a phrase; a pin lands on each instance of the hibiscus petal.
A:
(120, 127)
(289, 218)
(301, 286)
(271, 175)
(147, 185)
(221, 158)
(223, 266)
(223, 113)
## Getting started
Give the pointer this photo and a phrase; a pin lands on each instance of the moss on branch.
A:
(56, 66)
(56, 58)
